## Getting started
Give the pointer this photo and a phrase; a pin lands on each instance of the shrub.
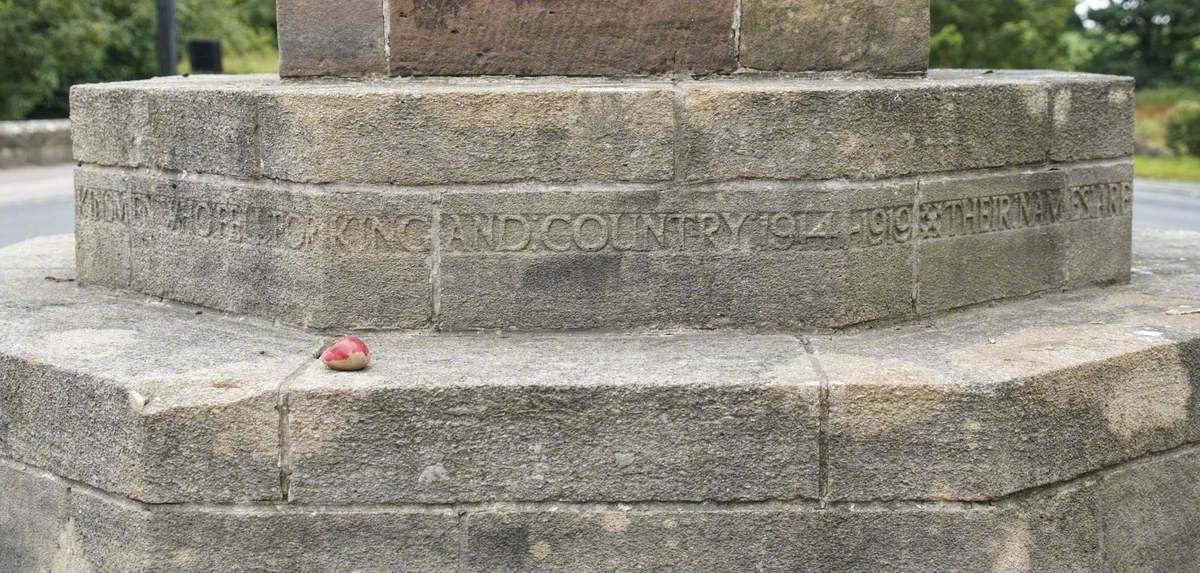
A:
(1183, 128)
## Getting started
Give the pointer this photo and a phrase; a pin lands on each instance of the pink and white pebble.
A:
(347, 354)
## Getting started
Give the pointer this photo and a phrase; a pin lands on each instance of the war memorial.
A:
(671, 285)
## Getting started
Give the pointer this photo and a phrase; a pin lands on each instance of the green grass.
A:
(1153, 105)
(1175, 168)
(264, 61)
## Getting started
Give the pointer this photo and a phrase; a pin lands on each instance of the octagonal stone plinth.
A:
(534, 204)
(1052, 435)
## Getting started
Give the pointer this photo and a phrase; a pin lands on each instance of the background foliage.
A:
(1003, 33)
(1156, 41)
(48, 45)
(1183, 128)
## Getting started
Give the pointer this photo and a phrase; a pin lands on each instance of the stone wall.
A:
(46, 142)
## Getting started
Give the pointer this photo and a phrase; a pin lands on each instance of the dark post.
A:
(168, 47)
(205, 55)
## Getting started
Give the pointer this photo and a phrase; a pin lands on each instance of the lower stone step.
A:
(1143, 516)
(1050, 434)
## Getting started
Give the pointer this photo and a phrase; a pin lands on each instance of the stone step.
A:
(1144, 515)
(486, 131)
(472, 204)
(589, 38)
(138, 435)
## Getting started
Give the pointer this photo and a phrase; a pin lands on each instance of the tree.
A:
(1156, 41)
(50, 45)
(1003, 33)
(52, 41)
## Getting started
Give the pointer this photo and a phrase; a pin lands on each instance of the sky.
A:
(1083, 6)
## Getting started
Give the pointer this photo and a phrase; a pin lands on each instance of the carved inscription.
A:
(978, 215)
(1101, 201)
(636, 232)
(997, 213)
(103, 205)
(259, 226)
(603, 231)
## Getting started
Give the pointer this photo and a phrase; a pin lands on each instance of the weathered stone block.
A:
(1100, 234)
(32, 513)
(313, 256)
(322, 38)
(788, 129)
(854, 35)
(580, 38)
(136, 398)
(198, 124)
(213, 131)
(481, 130)
(1150, 513)
(203, 540)
(991, 236)
(109, 124)
(775, 254)
(779, 255)
(104, 434)
(571, 37)
(1093, 116)
(470, 131)
(795, 539)
(1058, 529)
(1031, 403)
(531, 419)
(51, 526)
(102, 256)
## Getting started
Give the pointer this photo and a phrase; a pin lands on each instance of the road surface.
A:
(1166, 205)
(36, 201)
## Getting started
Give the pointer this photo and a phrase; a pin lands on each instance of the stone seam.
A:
(1048, 126)
(435, 263)
(387, 36)
(464, 540)
(128, 226)
(1009, 501)
(679, 140)
(532, 184)
(916, 247)
(822, 423)
(283, 406)
(737, 34)
(1101, 545)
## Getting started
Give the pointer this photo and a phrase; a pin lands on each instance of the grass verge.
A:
(1153, 106)
(1173, 168)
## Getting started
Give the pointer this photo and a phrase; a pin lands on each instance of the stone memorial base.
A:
(461, 204)
(1051, 434)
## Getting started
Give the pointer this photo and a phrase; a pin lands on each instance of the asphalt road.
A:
(37, 201)
(1166, 205)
